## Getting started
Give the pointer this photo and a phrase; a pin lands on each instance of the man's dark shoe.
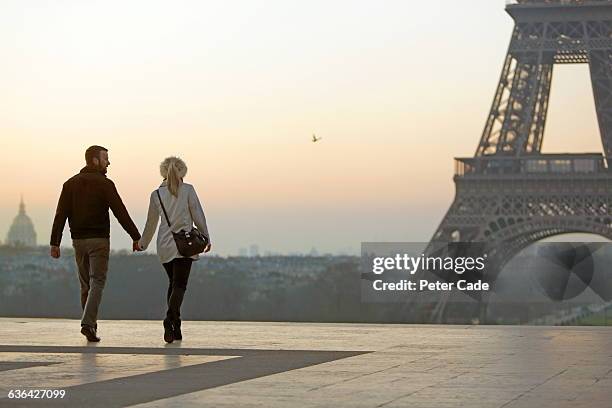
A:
(168, 331)
(177, 330)
(90, 333)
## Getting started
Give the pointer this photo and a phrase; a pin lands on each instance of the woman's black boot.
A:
(177, 330)
(168, 331)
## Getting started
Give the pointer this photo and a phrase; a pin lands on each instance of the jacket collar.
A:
(88, 169)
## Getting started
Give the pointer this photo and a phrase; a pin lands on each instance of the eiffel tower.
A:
(510, 194)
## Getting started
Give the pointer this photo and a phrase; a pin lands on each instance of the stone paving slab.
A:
(255, 364)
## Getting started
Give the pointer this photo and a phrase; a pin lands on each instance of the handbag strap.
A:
(163, 208)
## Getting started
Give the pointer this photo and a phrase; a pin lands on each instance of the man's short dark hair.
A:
(93, 151)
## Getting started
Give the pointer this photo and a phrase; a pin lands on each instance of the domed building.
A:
(22, 231)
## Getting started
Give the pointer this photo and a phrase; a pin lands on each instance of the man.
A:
(84, 201)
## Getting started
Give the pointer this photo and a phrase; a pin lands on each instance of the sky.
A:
(396, 90)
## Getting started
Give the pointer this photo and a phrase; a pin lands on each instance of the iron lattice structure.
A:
(510, 194)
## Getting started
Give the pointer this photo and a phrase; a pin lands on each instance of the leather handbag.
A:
(188, 243)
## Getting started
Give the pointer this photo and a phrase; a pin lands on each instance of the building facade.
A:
(21, 233)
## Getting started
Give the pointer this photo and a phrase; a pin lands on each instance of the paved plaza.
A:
(252, 364)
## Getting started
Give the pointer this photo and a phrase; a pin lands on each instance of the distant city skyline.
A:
(22, 233)
(238, 88)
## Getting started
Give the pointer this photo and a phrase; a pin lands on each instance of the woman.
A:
(184, 209)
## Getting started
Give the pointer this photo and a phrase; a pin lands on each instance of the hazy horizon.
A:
(396, 89)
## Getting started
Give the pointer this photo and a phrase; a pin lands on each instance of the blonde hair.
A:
(173, 169)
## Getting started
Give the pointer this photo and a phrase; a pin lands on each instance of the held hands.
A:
(136, 247)
(55, 252)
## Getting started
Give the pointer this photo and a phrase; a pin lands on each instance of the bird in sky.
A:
(315, 139)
